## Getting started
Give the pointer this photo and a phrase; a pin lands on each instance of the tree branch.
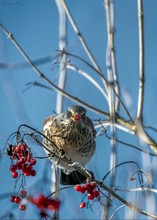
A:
(56, 88)
(141, 60)
(86, 173)
(77, 31)
(84, 44)
(110, 54)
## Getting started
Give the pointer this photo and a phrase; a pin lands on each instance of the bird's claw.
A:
(61, 153)
(51, 155)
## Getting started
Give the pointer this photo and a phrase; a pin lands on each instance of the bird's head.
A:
(75, 112)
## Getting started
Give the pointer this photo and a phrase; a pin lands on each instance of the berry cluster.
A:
(18, 199)
(43, 203)
(89, 189)
(22, 157)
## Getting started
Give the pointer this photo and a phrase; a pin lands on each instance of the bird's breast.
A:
(72, 136)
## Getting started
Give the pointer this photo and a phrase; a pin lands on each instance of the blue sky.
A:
(34, 24)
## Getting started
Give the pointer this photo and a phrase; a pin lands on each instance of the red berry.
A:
(12, 168)
(23, 147)
(77, 188)
(19, 165)
(28, 173)
(23, 159)
(28, 155)
(19, 155)
(52, 204)
(83, 189)
(23, 193)
(96, 193)
(93, 184)
(90, 196)
(33, 172)
(29, 167)
(33, 161)
(24, 168)
(18, 148)
(14, 174)
(22, 207)
(12, 199)
(17, 200)
(82, 205)
(88, 187)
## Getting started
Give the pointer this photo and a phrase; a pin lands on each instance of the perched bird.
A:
(74, 133)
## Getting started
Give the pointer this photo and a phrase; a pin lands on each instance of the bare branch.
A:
(137, 190)
(61, 85)
(77, 31)
(87, 76)
(128, 204)
(141, 60)
(84, 44)
(133, 146)
(99, 72)
(113, 156)
(111, 101)
(87, 173)
(62, 46)
(120, 207)
(20, 65)
(110, 54)
(56, 88)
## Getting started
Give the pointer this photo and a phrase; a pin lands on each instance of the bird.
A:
(73, 133)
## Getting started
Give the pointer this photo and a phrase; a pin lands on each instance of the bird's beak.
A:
(76, 117)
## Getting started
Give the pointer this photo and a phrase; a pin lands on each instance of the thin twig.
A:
(150, 127)
(128, 204)
(126, 162)
(111, 101)
(77, 31)
(37, 62)
(113, 156)
(141, 60)
(110, 30)
(123, 105)
(31, 84)
(120, 207)
(147, 189)
(61, 84)
(62, 46)
(133, 146)
(87, 174)
(87, 76)
(56, 88)
(99, 72)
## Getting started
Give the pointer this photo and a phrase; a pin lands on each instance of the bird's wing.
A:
(49, 119)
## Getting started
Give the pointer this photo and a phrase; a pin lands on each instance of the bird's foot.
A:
(50, 155)
(91, 177)
(61, 153)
